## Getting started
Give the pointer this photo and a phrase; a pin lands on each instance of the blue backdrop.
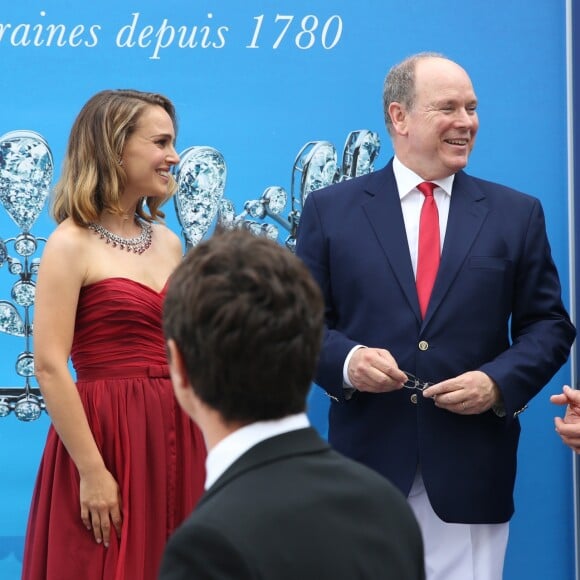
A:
(257, 80)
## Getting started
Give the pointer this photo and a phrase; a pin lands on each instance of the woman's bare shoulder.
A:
(68, 236)
(168, 237)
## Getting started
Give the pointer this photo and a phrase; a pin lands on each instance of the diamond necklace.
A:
(136, 245)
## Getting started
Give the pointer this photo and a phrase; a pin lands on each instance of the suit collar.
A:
(234, 445)
(382, 206)
(297, 442)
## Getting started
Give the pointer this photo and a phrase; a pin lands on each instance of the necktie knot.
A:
(426, 188)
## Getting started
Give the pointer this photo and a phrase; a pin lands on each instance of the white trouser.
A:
(458, 551)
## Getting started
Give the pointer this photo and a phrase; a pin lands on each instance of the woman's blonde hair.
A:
(93, 178)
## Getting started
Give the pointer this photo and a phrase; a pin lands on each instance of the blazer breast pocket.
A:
(489, 263)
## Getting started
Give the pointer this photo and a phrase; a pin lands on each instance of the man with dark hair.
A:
(243, 320)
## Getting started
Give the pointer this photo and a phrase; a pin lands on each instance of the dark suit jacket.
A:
(292, 508)
(496, 307)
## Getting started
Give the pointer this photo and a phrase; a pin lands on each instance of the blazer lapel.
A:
(382, 207)
(467, 213)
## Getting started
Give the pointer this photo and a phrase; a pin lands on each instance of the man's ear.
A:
(182, 388)
(398, 115)
(177, 367)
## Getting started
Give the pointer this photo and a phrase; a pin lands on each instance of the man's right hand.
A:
(375, 370)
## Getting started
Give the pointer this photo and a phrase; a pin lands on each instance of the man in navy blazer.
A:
(244, 322)
(494, 333)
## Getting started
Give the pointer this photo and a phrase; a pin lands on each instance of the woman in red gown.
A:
(123, 465)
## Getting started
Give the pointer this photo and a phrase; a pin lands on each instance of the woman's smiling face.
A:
(150, 153)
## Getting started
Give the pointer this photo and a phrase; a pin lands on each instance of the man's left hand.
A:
(468, 394)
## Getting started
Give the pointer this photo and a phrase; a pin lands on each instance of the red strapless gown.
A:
(154, 451)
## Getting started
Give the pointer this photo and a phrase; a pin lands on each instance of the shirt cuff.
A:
(345, 382)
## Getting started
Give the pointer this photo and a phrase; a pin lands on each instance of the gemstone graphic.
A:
(15, 266)
(25, 364)
(23, 292)
(10, 320)
(226, 214)
(201, 177)
(290, 243)
(317, 163)
(25, 245)
(270, 231)
(275, 198)
(255, 209)
(28, 408)
(3, 252)
(26, 170)
(360, 151)
(4, 407)
(34, 265)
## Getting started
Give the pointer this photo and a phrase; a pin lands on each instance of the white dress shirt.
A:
(237, 443)
(412, 202)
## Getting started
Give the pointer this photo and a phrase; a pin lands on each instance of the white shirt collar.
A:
(237, 443)
(407, 180)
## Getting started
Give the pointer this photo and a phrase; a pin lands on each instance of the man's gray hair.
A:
(399, 84)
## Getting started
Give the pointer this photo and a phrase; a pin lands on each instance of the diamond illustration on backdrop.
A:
(316, 166)
(3, 252)
(359, 154)
(26, 170)
(10, 320)
(275, 198)
(23, 292)
(28, 408)
(226, 214)
(255, 208)
(25, 245)
(4, 407)
(25, 364)
(15, 266)
(201, 177)
(269, 231)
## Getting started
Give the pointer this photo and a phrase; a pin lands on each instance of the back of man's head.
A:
(247, 318)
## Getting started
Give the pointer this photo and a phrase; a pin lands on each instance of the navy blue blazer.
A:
(496, 307)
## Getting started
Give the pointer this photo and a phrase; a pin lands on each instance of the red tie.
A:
(429, 246)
